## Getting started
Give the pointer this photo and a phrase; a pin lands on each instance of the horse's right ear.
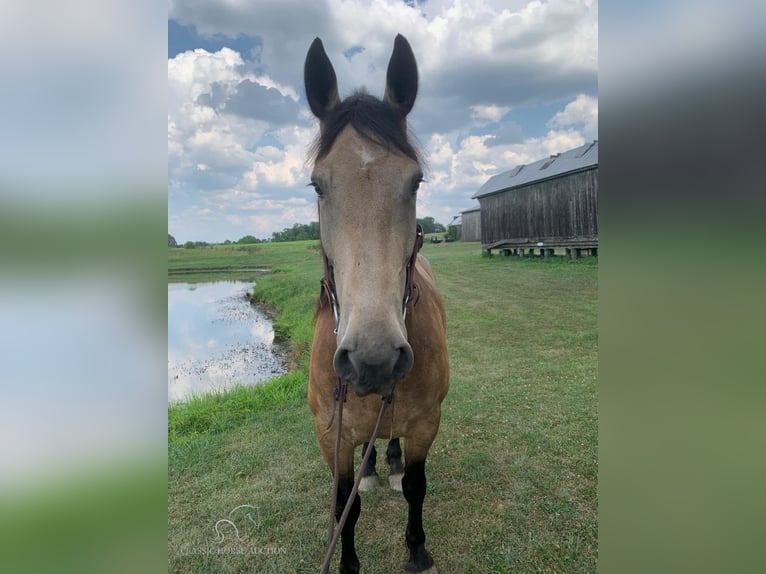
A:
(320, 81)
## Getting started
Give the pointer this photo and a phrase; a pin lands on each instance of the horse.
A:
(380, 324)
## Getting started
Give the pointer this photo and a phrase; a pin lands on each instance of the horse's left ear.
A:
(402, 77)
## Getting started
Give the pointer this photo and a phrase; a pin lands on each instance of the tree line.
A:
(298, 232)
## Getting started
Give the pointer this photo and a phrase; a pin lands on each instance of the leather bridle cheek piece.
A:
(329, 295)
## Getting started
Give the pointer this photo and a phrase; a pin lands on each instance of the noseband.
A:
(328, 293)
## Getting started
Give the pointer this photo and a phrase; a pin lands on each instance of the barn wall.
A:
(560, 208)
(471, 226)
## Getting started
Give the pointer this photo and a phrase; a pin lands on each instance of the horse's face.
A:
(367, 195)
(367, 225)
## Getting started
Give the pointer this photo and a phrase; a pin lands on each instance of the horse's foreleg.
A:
(396, 468)
(349, 562)
(414, 488)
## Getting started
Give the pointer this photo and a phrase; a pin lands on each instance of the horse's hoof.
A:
(395, 481)
(369, 483)
(420, 562)
(352, 567)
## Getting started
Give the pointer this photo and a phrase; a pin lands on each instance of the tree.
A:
(227, 242)
(298, 232)
(189, 245)
(172, 241)
(430, 226)
(248, 239)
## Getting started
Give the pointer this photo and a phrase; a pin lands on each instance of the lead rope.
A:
(328, 289)
(349, 503)
(340, 396)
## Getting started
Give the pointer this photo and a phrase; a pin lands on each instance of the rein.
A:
(328, 294)
(334, 536)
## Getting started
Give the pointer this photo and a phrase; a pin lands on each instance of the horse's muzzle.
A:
(374, 369)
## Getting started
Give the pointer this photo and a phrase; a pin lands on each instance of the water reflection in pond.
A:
(217, 339)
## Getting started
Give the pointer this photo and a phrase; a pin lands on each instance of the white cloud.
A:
(470, 164)
(217, 143)
(582, 111)
(490, 113)
(238, 132)
(530, 46)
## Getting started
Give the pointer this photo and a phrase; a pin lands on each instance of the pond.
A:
(217, 339)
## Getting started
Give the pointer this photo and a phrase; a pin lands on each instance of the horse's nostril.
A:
(343, 366)
(403, 362)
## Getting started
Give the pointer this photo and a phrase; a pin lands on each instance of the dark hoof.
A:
(420, 563)
(352, 568)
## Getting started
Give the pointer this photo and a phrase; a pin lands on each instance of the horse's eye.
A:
(416, 185)
(318, 189)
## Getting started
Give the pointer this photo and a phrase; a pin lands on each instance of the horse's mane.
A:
(372, 119)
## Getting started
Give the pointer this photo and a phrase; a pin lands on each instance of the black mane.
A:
(372, 119)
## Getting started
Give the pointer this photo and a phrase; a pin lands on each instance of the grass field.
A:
(512, 474)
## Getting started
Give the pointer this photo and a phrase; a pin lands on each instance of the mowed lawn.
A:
(512, 475)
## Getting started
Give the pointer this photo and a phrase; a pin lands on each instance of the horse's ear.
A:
(402, 77)
(320, 81)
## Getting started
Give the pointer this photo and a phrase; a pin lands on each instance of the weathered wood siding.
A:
(471, 226)
(557, 209)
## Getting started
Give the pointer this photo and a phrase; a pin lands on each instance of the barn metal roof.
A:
(457, 220)
(577, 159)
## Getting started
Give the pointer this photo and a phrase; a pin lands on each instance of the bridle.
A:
(328, 294)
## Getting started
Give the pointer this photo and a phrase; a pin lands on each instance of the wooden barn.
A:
(548, 204)
(471, 228)
(457, 223)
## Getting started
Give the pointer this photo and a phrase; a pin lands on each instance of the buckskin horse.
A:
(380, 324)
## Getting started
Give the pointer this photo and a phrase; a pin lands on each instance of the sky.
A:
(501, 83)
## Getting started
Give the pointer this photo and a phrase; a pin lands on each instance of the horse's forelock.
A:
(372, 119)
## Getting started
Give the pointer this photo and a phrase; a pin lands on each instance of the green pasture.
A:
(511, 477)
